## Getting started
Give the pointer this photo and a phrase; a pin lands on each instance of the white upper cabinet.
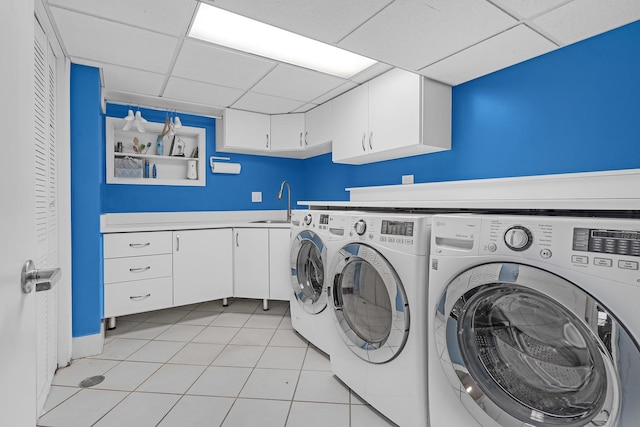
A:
(319, 126)
(281, 135)
(397, 114)
(351, 124)
(287, 132)
(244, 131)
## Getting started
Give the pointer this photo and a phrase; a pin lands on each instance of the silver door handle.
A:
(177, 243)
(42, 279)
(140, 269)
(306, 143)
(364, 135)
(300, 139)
(139, 297)
(267, 140)
(237, 244)
(371, 140)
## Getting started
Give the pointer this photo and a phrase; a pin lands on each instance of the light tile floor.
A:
(206, 365)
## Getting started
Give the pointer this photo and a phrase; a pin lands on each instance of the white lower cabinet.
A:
(279, 268)
(202, 266)
(137, 273)
(251, 263)
(153, 270)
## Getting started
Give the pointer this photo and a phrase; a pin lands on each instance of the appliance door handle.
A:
(140, 269)
(337, 299)
(237, 243)
(177, 243)
(139, 297)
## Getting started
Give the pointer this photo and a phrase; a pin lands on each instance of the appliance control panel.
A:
(602, 247)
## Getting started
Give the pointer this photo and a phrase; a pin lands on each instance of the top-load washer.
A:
(378, 294)
(534, 321)
(310, 234)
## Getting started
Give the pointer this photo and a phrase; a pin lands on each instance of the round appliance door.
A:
(370, 304)
(529, 348)
(308, 255)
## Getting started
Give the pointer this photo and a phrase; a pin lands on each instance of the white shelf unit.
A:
(171, 170)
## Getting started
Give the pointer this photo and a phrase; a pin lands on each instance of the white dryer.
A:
(378, 293)
(310, 234)
(534, 321)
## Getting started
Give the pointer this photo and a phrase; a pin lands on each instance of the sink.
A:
(271, 221)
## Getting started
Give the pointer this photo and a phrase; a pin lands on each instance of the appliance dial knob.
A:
(307, 219)
(518, 238)
(360, 227)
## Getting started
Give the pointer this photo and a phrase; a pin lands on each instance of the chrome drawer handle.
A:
(140, 269)
(139, 297)
(139, 245)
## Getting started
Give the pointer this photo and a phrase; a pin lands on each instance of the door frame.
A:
(63, 138)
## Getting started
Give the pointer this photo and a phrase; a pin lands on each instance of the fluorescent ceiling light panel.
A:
(238, 32)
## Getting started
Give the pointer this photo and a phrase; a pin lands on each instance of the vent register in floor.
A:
(206, 365)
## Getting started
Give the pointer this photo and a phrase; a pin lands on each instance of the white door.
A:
(202, 265)
(251, 263)
(287, 132)
(17, 216)
(46, 210)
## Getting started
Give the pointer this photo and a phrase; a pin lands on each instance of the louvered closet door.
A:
(46, 209)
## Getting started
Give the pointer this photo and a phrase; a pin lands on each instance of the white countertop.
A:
(161, 221)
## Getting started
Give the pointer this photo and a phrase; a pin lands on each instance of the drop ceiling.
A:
(146, 57)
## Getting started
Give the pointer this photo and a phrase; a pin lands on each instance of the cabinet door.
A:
(394, 110)
(319, 125)
(279, 268)
(202, 265)
(350, 118)
(287, 132)
(251, 263)
(244, 129)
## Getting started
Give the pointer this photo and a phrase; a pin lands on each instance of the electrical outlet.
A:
(407, 179)
(256, 196)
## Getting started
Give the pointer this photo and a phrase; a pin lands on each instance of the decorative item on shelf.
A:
(192, 169)
(154, 171)
(159, 148)
(119, 147)
(136, 119)
(222, 167)
(146, 168)
(177, 147)
(194, 153)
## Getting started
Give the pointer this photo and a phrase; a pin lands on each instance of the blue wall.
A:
(87, 176)
(573, 110)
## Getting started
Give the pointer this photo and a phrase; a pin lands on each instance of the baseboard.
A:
(89, 345)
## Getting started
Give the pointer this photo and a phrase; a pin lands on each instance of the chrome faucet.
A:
(288, 198)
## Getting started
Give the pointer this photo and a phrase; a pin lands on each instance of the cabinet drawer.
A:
(137, 268)
(135, 297)
(133, 244)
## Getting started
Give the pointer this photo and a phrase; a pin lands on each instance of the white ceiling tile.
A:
(210, 64)
(169, 17)
(201, 93)
(412, 34)
(267, 104)
(297, 83)
(105, 41)
(511, 47)
(371, 72)
(129, 80)
(579, 20)
(335, 92)
(326, 20)
(527, 8)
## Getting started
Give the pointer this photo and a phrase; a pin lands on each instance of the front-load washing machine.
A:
(378, 293)
(310, 233)
(534, 321)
